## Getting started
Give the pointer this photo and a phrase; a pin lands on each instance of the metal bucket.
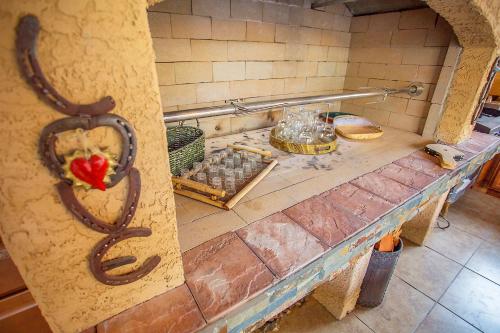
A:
(378, 275)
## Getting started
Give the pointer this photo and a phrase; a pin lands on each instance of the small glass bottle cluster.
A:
(303, 126)
(227, 169)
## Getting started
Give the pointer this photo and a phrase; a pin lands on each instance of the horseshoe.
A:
(83, 215)
(55, 163)
(99, 267)
(27, 33)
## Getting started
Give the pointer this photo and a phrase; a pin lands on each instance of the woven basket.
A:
(186, 145)
(297, 148)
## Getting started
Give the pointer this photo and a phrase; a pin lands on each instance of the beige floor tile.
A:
(208, 227)
(402, 310)
(478, 214)
(441, 320)
(426, 270)
(312, 317)
(486, 262)
(476, 300)
(453, 243)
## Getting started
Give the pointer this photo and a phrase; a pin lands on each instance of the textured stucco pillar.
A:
(339, 296)
(418, 228)
(477, 26)
(88, 49)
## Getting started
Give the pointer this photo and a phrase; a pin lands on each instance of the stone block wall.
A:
(211, 51)
(392, 50)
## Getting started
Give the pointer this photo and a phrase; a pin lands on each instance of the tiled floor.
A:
(450, 285)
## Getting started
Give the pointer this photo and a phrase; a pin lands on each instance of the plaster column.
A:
(88, 49)
(339, 296)
(418, 228)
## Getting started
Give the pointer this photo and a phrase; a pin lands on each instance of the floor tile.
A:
(478, 214)
(386, 188)
(358, 201)
(174, 311)
(477, 143)
(402, 310)
(223, 272)
(327, 222)
(197, 232)
(408, 177)
(281, 243)
(422, 162)
(486, 262)
(453, 243)
(426, 270)
(312, 317)
(476, 300)
(441, 320)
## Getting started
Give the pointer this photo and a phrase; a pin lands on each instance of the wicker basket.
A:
(186, 145)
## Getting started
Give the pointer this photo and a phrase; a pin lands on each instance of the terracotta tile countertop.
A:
(284, 235)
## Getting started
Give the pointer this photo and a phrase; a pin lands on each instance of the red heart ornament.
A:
(92, 170)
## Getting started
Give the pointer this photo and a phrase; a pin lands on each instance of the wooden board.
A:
(357, 128)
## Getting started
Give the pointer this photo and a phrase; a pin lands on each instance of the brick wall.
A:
(391, 50)
(209, 51)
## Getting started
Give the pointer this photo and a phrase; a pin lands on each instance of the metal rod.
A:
(414, 89)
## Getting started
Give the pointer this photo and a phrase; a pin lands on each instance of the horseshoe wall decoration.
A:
(86, 117)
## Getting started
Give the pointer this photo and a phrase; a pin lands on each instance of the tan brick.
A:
(295, 85)
(276, 13)
(418, 108)
(246, 10)
(172, 6)
(341, 23)
(409, 38)
(287, 34)
(338, 8)
(213, 8)
(372, 71)
(352, 69)
(340, 69)
(428, 74)
(340, 54)
(335, 38)
(406, 122)
(166, 73)
(324, 83)
(168, 50)
(354, 83)
(371, 39)
(401, 72)
(378, 116)
(159, 25)
(384, 22)
(417, 19)
(209, 50)
(438, 37)
(255, 88)
(259, 70)
(260, 31)
(317, 53)
(318, 19)
(210, 92)
(229, 71)
(360, 23)
(296, 16)
(178, 94)
(310, 36)
(193, 72)
(424, 56)
(188, 26)
(295, 52)
(391, 104)
(326, 68)
(376, 55)
(307, 68)
(255, 51)
(282, 69)
(228, 29)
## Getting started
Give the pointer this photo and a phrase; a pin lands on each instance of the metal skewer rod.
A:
(414, 89)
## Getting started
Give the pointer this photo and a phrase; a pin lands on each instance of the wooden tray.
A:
(297, 148)
(217, 197)
(357, 128)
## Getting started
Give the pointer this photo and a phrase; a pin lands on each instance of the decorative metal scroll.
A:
(86, 117)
